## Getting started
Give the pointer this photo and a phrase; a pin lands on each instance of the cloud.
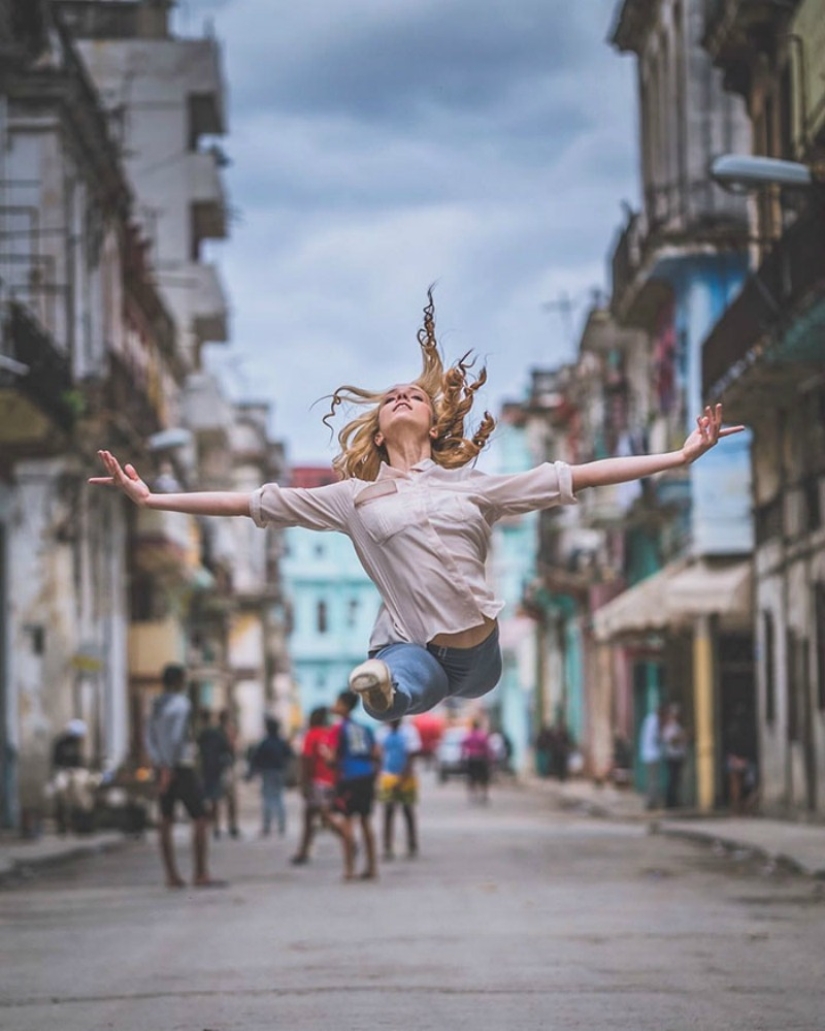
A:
(383, 144)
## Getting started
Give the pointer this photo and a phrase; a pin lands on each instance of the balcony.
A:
(36, 407)
(678, 220)
(207, 196)
(205, 410)
(209, 307)
(736, 31)
(206, 91)
(774, 326)
(165, 544)
(129, 401)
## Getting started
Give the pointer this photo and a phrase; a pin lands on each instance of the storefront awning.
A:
(673, 597)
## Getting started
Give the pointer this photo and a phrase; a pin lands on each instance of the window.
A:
(321, 617)
(769, 669)
(352, 613)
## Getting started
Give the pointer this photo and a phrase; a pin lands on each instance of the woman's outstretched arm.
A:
(635, 467)
(212, 503)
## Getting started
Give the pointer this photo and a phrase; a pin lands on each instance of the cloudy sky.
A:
(378, 146)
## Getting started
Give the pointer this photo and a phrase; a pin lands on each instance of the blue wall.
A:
(334, 606)
(720, 500)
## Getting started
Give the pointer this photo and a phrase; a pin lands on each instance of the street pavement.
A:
(523, 914)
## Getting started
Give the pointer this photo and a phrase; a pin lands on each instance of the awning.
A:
(673, 597)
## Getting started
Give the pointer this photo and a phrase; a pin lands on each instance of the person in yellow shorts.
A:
(398, 784)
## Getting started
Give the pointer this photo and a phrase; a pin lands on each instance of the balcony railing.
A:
(48, 382)
(793, 270)
(676, 216)
(129, 401)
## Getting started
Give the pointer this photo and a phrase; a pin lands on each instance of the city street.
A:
(516, 915)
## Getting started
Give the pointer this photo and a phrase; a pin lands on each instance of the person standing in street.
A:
(674, 752)
(475, 750)
(398, 785)
(269, 760)
(650, 752)
(356, 762)
(215, 755)
(317, 782)
(229, 794)
(172, 751)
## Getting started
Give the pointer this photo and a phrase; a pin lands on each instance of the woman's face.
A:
(404, 408)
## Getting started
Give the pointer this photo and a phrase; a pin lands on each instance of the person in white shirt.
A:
(420, 516)
(650, 752)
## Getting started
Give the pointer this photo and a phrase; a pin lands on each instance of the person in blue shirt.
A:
(270, 760)
(356, 764)
(398, 784)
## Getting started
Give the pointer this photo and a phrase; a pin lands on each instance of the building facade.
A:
(765, 359)
(676, 265)
(89, 360)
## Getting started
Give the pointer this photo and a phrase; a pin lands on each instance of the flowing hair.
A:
(451, 393)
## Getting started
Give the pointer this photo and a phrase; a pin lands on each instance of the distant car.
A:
(449, 761)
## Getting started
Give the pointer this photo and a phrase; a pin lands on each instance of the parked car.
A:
(449, 761)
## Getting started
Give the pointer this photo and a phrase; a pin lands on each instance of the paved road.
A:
(517, 916)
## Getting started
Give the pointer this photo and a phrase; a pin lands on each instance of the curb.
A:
(16, 868)
(781, 859)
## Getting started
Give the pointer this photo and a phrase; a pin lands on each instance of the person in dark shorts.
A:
(317, 782)
(476, 752)
(356, 762)
(172, 750)
(215, 755)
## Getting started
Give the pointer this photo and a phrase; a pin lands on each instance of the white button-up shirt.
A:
(422, 537)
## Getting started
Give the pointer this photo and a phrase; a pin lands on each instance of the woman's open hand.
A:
(707, 433)
(124, 478)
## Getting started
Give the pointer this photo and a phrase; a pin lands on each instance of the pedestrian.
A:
(269, 760)
(419, 515)
(740, 763)
(674, 753)
(229, 792)
(215, 758)
(356, 763)
(317, 782)
(475, 750)
(398, 785)
(172, 751)
(650, 752)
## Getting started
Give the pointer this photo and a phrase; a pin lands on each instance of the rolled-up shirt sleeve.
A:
(314, 508)
(544, 486)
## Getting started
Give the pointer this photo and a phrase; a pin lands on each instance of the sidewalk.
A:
(18, 856)
(796, 845)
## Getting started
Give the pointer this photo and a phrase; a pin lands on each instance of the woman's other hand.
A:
(125, 479)
(708, 431)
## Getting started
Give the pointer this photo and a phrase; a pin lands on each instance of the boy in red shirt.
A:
(317, 780)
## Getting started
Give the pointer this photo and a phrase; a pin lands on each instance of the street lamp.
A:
(740, 173)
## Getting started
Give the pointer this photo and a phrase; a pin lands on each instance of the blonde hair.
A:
(451, 393)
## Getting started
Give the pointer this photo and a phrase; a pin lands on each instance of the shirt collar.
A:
(388, 472)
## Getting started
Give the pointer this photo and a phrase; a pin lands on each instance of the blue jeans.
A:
(423, 677)
(272, 797)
